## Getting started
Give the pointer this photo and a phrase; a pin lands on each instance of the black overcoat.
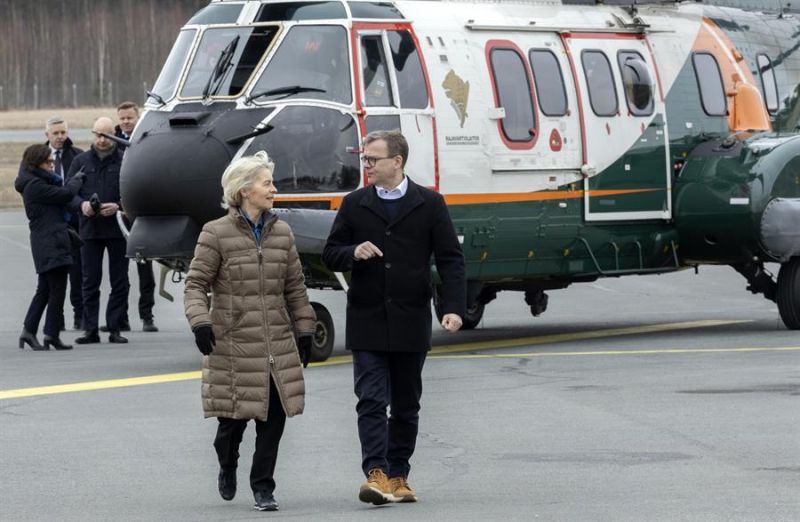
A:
(45, 204)
(389, 299)
(101, 178)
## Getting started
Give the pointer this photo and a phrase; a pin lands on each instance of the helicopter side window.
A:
(636, 82)
(171, 72)
(217, 14)
(709, 80)
(377, 90)
(768, 84)
(380, 10)
(549, 82)
(225, 60)
(513, 94)
(314, 150)
(311, 63)
(382, 122)
(283, 11)
(600, 80)
(408, 71)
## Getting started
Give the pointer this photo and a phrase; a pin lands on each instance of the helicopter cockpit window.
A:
(284, 11)
(637, 83)
(375, 76)
(381, 10)
(315, 149)
(709, 80)
(310, 63)
(600, 79)
(225, 60)
(408, 70)
(768, 84)
(171, 73)
(217, 14)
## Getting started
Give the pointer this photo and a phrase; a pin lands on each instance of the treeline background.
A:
(69, 53)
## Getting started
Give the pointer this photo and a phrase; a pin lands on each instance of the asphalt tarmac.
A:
(672, 397)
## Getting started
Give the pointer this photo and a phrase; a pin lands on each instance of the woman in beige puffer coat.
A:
(246, 327)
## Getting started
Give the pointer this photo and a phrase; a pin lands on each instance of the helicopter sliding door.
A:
(625, 132)
(393, 93)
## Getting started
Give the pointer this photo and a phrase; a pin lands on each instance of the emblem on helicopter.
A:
(457, 91)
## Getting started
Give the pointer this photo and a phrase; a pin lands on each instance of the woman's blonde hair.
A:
(240, 175)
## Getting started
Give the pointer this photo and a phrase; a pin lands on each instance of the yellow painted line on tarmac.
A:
(620, 352)
(580, 336)
(555, 338)
(98, 385)
(439, 351)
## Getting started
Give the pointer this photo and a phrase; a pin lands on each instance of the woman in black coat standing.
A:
(46, 200)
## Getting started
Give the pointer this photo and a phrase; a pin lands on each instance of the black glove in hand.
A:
(204, 339)
(304, 349)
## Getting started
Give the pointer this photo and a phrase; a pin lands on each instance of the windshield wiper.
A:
(289, 89)
(255, 132)
(156, 97)
(221, 67)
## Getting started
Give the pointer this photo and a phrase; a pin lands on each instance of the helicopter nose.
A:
(176, 173)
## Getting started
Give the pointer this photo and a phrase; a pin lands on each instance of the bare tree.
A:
(49, 45)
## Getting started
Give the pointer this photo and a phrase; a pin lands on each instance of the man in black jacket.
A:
(64, 152)
(128, 116)
(385, 234)
(99, 231)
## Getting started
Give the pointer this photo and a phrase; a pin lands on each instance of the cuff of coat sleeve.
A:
(195, 327)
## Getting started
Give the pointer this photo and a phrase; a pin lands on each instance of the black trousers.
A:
(391, 379)
(76, 285)
(92, 267)
(51, 289)
(147, 288)
(268, 437)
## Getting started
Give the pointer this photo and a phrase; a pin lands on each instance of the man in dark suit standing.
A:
(385, 234)
(100, 232)
(128, 116)
(64, 152)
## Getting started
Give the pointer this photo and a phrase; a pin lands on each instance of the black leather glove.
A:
(204, 339)
(304, 349)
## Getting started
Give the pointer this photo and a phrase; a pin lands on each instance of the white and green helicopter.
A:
(570, 142)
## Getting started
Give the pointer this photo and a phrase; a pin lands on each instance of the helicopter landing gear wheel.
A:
(788, 295)
(322, 342)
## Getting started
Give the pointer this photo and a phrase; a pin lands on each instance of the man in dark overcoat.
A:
(385, 234)
(128, 116)
(64, 152)
(100, 232)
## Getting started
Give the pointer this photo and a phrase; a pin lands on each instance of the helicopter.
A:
(570, 142)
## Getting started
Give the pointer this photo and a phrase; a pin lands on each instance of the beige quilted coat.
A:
(251, 287)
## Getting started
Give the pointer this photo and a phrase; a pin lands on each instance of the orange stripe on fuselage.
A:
(485, 199)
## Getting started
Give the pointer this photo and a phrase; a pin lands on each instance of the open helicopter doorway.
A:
(393, 92)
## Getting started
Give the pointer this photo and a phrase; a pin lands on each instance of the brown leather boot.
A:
(376, 490)
(401, 491)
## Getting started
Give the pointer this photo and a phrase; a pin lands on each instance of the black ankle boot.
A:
(56, 342)
(30, 339)
(226, 483)
(115, 337)
(88, 337)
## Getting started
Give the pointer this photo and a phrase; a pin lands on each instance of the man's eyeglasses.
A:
(51, 161)
(370, 161)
